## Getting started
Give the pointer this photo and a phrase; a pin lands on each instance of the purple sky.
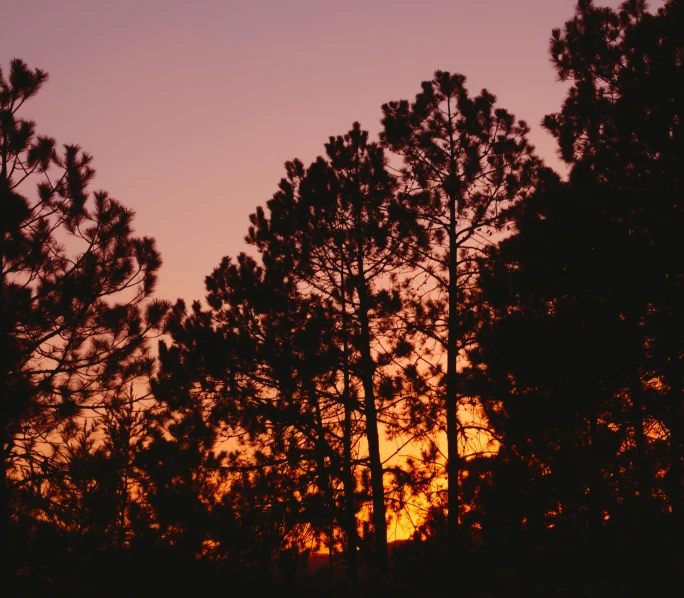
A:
(191, 108)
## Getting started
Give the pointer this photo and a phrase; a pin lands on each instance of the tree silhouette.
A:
(92, 493)
(623, 121)
(256, 373)
(585, 370)
(464, 163)
(375, 302)
(348, 238)
(76, 291)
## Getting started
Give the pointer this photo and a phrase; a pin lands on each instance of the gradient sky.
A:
(191, 108)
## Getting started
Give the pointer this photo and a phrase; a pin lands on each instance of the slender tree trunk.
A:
(325, 477)
(372, 435)
(453, 461)
(348, 479)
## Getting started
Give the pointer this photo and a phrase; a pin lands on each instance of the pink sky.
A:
(191, 108)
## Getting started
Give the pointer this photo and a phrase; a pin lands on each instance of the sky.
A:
(191, 108)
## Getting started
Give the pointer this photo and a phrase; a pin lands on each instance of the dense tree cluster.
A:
(432, 330)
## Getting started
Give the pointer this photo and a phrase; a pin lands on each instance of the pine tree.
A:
(339, 221)
(622, 120)
(464, 162)
(76, 288)
(584, 343)
(250, 380)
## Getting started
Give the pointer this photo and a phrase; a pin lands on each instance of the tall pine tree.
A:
(75, 290)
(464, 162)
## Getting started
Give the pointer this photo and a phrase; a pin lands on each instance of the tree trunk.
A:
(325, 477)
(451, 401)
(376, 469)
(348, 480)
(453, 459)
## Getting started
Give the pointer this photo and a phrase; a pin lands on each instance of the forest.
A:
(439, 367)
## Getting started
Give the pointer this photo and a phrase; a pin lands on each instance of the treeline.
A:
(431, 331)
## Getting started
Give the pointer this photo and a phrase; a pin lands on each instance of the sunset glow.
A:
(191, 109)
(342, 298)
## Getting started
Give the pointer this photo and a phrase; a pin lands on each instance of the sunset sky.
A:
(191, 108)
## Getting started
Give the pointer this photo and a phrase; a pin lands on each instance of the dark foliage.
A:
(472, 295)
(76, 289)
